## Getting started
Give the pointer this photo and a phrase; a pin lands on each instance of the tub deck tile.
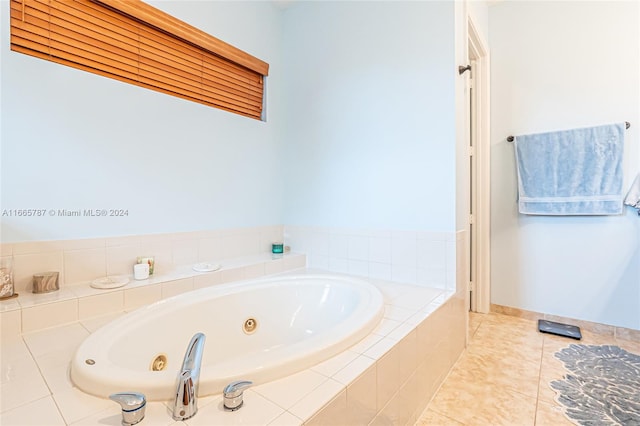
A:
(39, 412)
(288, 401)
(331, 366)
(255, 411)
(287, 391)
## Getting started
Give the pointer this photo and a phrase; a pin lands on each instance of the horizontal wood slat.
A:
(98, 37)
(169, 24)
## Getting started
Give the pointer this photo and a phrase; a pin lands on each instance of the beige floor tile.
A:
(431, 418)
(551, 415)
(482, 365)
(503, 376)
(545, 392)
(633, 347)
(590, 338)
(512, 323)
(524, 345)
(554, 343)
(473, 403)
(475, 319)
(551, 366)
(488, 332)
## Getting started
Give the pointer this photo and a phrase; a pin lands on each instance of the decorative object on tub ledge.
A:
(602, 387)
(114, 281)
(6, 279)
(148, 260)
(633, 196)
(277, 247)
(141, 271)
(571, 172)
(45, 282)
(206, 267)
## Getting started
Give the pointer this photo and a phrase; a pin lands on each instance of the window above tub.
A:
(131, 41)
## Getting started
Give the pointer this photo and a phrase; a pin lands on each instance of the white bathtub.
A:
(301, 320)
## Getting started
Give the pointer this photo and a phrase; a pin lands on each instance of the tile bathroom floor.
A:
(503, 376)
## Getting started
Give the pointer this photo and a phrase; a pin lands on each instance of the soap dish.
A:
(110, 282)
(206, 267)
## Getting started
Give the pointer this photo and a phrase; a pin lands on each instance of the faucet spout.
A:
(186, 402)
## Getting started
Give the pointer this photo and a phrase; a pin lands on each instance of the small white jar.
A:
(141, 271)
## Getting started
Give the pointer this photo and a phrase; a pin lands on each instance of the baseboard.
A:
(593, 327)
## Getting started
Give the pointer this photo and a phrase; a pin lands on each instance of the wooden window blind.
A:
(131, 41)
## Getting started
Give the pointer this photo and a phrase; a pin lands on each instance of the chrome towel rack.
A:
(512, 138)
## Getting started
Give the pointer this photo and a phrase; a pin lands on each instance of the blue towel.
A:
(571, 172)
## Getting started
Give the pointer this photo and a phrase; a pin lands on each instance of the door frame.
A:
(481, 131)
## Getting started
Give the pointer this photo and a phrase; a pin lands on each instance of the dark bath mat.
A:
(603, 387)
(559, 329)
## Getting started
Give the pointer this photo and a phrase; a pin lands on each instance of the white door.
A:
(479, 173)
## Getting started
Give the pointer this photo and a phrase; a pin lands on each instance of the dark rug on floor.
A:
(603, 386)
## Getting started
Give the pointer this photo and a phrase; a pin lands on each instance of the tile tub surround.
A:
(33, 312)
(80, 261)
(410, 257)
(387, 378)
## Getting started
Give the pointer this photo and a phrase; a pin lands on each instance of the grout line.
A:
(41, 373)
(535, 413)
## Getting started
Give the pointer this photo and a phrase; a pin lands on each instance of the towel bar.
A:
(511, 138)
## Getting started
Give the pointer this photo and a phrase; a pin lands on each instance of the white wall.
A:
(370, 121)
(478, 10)
(561, 65)
(461, 118)
(73, 140)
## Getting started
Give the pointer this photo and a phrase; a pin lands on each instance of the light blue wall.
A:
(561, 65)
(370, 115)
(360, 129)
(72, 140)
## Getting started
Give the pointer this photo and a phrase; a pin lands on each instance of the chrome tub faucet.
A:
(186, 403)
(133, 406)
(233, 394)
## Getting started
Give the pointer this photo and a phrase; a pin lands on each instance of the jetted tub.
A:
(258, 330)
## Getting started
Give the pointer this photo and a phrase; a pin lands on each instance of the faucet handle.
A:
(133, 405)
(232, 394)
